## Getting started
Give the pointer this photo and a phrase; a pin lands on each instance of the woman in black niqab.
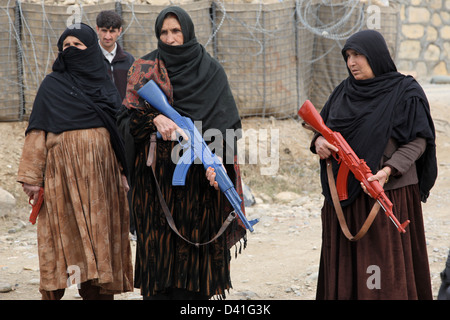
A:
(78, 94)
(73, 151)
(371, 114)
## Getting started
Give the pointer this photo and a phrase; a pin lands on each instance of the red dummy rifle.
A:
(349, 161)
(36, 205)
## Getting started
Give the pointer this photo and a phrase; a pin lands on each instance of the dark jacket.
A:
(118, 69)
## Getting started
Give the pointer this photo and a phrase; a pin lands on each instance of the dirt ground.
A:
(282, 257)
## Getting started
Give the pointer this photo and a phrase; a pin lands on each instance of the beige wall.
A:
(424, 46)
(424, 33)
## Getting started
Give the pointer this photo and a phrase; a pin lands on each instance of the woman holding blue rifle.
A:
(170, 265)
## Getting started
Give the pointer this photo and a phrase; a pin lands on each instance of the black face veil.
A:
(78, 94)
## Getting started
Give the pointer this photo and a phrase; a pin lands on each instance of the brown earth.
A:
(282, 256)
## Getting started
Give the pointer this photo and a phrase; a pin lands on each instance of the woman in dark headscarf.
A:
(73, 149)
(167, 266)
(385, 118)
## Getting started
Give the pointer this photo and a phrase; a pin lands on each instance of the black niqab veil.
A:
(78, 94)
(200, 86)
(369, 112)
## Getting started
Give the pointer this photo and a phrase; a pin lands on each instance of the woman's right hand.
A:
(168, 129)
(31, 191)
(324, 148)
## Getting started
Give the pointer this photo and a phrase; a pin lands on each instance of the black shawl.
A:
(200, 85)
(369, 112)
(78, 94)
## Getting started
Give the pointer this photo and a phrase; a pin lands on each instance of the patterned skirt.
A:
(164, 261)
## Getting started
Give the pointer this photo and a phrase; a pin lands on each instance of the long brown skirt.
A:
(384, 264)
(84, 224)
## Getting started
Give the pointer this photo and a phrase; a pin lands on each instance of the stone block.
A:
(418, 15)
(409, 49)
(413, 31)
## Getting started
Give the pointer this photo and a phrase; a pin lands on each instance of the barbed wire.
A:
(259, 44)
(336, 28)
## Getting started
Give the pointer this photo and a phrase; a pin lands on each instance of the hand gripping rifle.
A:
(349, 161)
(194, 148)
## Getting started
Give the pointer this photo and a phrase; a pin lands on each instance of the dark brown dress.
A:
(83, 226)
(386, 120)
(350, 270)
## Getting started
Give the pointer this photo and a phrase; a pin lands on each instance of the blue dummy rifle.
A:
(194, 147)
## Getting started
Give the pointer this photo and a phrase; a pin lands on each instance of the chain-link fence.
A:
(331, 25)
(276, 55)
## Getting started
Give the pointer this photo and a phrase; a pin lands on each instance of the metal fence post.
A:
(118, 9)
(19, 53)
(213, 16)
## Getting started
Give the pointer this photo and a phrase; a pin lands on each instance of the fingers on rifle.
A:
(181, 133)
(211, 176)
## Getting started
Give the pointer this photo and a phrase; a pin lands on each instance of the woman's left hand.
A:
(382, 176)
(211, 176)
(125, 183)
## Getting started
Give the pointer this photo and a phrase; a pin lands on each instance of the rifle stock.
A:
(349, 161)
(194, 148)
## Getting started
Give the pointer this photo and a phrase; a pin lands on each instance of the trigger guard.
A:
(336, 157)
(182, 142)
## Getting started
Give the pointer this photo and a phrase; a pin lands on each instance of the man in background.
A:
(117, 60)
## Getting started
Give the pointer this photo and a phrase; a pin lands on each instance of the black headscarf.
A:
(78, 94)
(369, 112)
(200, 85)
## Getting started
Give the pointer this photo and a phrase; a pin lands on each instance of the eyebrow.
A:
(170, 29)
(109, 29)
(75, 42)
